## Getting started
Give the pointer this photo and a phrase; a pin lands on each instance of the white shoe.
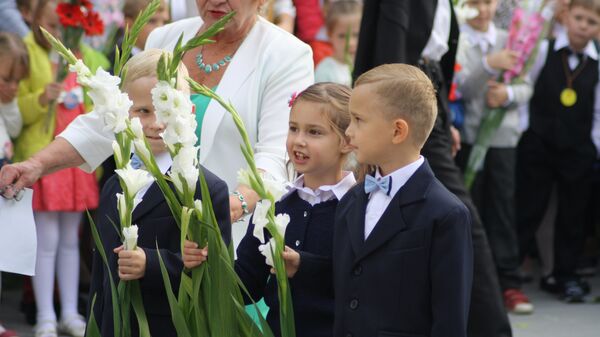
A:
(73, 326)
(45, 329)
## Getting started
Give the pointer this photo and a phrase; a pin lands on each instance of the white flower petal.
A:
(134, 179)
(259, 219)
(281, 222)
(267, 251)
(130, 237)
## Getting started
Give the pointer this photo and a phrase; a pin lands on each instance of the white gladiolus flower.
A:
(116, 113)
(134, 179)
(243, 177)
(181, 129)
(137, 128)
(182, 105)
(162, 96)
(141, 150)
(259, 219)
(103, 87)
(83, 72)
(267, 251)
(281, 222)
(275, 187)
(117, 152)
(122, 206)
(185, 164)
(130, 237)
(115, 121)
(198, 205)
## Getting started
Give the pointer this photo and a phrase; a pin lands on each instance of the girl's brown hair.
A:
(333, 100)
(12, 46)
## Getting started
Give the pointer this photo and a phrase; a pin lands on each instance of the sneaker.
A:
(516, 302)
(73, 326)
(573, 292)
(45, 329)
(550, 284)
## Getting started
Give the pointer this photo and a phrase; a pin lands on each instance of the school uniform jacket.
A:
(412, 276)
(156, 227)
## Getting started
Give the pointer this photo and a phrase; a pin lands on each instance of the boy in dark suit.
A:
(156, 223)
(402, 245)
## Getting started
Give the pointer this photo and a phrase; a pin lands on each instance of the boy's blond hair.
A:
(144, 65)
(132, 8)
(404, 91)
(592, 5)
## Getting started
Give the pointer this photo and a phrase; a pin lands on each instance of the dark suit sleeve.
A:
(220, 200)
(153, 279)
(313, 266)
(250, 265)
(452, 273)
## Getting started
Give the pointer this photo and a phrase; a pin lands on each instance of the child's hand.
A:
(8, 92)
(497, 94)
(132, 263)
(192, 255)
(505, 59)
(50, 94)
(292, 262)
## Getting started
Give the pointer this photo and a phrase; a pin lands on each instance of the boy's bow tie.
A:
(372, 184)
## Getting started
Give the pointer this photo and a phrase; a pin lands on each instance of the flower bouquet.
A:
(529, 26)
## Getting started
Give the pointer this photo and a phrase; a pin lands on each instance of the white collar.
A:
(485, 40)
(338, 190)
(562, 41)
(401, 175)
(164, 161)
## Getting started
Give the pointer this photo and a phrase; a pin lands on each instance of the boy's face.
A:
(139, 93)
(487, 10)
(159, 19)
(49, 19)
(313, 146)
(337, 36)
(583, 25)
(370, 131)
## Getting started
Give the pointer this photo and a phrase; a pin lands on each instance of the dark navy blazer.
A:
(412, 276)
(156, 227)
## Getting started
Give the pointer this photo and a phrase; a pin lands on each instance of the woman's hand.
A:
(132, 263)
(235, 204)
(192, 255)
(15, 177)
(50, 94)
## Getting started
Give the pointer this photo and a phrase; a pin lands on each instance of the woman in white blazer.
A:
(267, 66)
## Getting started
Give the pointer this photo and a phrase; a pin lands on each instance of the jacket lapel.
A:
(242, 65)
(151, 199)
(356, 218)
(392, 222)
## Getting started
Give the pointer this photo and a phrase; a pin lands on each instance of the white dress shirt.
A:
(379, 201)
(590, 51)
(323, 193)
(437, 45)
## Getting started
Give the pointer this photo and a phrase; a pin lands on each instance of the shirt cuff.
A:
(511, 96)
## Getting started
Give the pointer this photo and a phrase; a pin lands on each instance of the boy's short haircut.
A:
(132, 8)
(404, 91)
(593, 5)
(339, 8)
(144, 65)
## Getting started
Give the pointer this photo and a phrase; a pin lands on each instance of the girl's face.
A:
(314, 148)
(487, 10)
(345, 24)
(139, 93)
(11, 72)
(49, 19)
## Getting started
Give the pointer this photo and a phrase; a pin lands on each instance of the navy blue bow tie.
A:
(372, 184)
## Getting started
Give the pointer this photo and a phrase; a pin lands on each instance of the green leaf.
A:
(176, 314)
(138, 308)
(113, 290)
(92, 329)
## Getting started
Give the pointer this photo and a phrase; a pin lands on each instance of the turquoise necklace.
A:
(209, 68)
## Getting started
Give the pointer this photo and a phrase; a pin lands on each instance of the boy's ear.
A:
(401, 131)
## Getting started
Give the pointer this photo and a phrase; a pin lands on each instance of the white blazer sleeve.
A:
(291, 71)
(87, 135)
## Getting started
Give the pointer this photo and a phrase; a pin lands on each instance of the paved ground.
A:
(551, 319)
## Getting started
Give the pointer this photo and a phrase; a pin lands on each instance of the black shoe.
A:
(550, 284)
(572, 292)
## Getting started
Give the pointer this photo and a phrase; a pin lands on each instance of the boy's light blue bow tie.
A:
(136, 162)
(372, 184)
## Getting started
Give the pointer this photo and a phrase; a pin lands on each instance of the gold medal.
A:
(568, 97)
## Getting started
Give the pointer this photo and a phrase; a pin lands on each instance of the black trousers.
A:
(487, 316)
(539, 166)
(493, 193)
